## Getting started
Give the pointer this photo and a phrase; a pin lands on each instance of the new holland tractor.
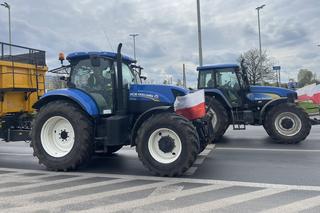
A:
(233, 101)
(106, 107)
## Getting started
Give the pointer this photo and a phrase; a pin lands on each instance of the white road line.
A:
(32, 185)
(189, 180)
(150, 200)
(18, 177)
(16, 154)
(165, 190)
(84, 198)
(225, 202)
(25, 199)
(267, 149)
(191, 171)
(199, 160)
(296, 206)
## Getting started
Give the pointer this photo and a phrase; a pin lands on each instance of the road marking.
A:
(17, 178)
(267, 149)
(37, 184)
(225, 202)
(165, 190)
(189, 180)
(150, 200)
(85, 198)
(25, 199)
(15, 154)
(200, 159)
(296, 206)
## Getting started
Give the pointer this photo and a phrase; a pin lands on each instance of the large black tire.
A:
(186, 133)
(221, 124)
(82, 148)
(287, 123)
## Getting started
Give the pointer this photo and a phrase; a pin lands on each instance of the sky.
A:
(290, 31)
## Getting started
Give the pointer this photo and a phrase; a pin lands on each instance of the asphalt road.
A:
(246, 172)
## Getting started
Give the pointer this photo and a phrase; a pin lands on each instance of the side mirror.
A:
(143, 78)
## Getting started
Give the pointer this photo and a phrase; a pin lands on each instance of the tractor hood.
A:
(156, 93)
(271, 92)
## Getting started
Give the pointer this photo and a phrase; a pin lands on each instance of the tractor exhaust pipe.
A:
(121, 103)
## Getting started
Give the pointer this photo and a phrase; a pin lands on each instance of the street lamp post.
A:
(6, 5)
(134, 35)
(260, 49)
(199, 33)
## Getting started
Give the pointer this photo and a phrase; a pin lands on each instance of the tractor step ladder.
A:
(237, 124)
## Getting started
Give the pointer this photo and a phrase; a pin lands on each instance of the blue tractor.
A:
(104, 107)
(231, 100)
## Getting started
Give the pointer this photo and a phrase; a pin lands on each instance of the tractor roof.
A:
(217, 66)
(79, 55)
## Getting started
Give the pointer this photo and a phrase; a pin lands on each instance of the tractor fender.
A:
(82, 99)
(270, 104)
(217, 94)
(144, 116)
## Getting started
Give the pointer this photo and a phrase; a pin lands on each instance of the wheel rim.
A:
(57, 136)
(288, 124)
(164, 145)
(214, 117)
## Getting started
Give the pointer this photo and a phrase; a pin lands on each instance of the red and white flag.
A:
(192, 106)
(310, 92)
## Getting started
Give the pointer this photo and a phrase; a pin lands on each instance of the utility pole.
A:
(199, 33)
(184, 79)
(260, 49)
(134, 35)
(6, 5)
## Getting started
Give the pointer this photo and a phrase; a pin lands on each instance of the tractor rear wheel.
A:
(62, 136)
(167, 144)
(220, 118)
(287, 123)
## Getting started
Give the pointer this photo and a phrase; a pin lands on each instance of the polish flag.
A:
(309, 93)
(192, 106)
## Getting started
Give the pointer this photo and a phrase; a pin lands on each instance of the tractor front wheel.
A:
(220, 118)
(62, 136)
(167, 144)
(287, 123)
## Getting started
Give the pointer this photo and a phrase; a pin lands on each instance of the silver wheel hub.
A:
(164, 145)
(57, 136)
(214, 117)
(288, 124)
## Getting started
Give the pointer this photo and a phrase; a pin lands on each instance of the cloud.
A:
(168, 31)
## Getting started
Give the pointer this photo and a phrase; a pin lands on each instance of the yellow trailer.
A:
(22, 83)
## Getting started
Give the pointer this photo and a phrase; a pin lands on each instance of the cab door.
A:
(226, 80)
(94, 76)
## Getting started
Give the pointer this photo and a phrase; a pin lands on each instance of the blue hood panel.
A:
(268, 93)
(156, 93)
(282, 92)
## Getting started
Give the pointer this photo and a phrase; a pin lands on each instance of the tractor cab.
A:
(95, 73)
(227, 78)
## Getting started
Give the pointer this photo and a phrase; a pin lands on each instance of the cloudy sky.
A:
(168, 31)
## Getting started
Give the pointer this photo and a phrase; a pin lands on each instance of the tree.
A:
(305, 77)
(165, 81)
(257, 66)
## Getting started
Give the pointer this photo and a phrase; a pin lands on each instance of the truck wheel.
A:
(287, 123)
(220, 118)
(167, 144)
(62, 136)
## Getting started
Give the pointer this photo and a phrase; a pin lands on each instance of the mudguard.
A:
(144, 116)
(217, 92)
(81, 98)
(270, 104)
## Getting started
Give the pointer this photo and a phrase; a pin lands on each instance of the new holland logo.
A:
(145, 95)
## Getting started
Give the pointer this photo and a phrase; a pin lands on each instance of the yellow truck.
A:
(22, 83)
